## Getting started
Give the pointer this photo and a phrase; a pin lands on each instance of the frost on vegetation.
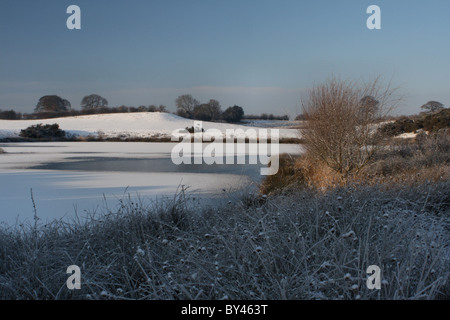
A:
(140, 252)
(351, 234)
(256, 254)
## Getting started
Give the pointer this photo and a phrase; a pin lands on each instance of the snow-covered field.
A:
(141, 125)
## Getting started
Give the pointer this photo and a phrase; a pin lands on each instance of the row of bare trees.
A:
(54, 103)
(191, 108)
(187, 107)
(52, 106)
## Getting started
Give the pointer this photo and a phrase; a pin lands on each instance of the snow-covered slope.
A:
(143, 125)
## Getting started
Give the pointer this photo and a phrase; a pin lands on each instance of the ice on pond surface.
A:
(76, 177)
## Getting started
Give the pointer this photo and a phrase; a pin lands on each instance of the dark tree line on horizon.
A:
(53, 106)
(191, 108)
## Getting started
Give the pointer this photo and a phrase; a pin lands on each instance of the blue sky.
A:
(262, 55)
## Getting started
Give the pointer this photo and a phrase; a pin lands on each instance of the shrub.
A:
(297, 173)
(286, 175)
(424, 159)
(437, 121)
(339, 128)
(428, 122)
(40, 131)
(2, 151)
(401, 126)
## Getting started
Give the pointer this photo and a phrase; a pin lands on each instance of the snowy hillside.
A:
(141, 125)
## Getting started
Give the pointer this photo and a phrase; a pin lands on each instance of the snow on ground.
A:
(406, 135)
(141, 125)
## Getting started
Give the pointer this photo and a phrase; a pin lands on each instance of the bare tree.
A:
(340, 129)
(215, 109)
(52, 104)
(185, 105)
(210, 111)
(93, 101)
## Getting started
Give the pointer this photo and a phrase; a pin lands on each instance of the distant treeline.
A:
(13, 115)
(265, 116)
(53, 106)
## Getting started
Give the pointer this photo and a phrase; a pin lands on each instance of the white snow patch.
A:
(140, 125)
(407, 135)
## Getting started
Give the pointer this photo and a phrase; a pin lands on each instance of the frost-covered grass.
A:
(300, 245)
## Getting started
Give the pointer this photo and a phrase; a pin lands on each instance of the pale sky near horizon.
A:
(260, 54)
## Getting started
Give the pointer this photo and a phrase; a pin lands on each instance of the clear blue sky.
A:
(260, 54)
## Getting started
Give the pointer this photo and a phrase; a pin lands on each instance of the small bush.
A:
(2, 151)
(401, 126)
(340, 115)
(40, 131)
(437, 121)
(428, 122)
(425, 159)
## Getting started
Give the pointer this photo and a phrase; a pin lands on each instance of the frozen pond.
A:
(69, 177)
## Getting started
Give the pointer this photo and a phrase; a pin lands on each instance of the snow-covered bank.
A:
(126, 125)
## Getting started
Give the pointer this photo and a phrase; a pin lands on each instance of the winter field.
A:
(140, 227)
(133, 125)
